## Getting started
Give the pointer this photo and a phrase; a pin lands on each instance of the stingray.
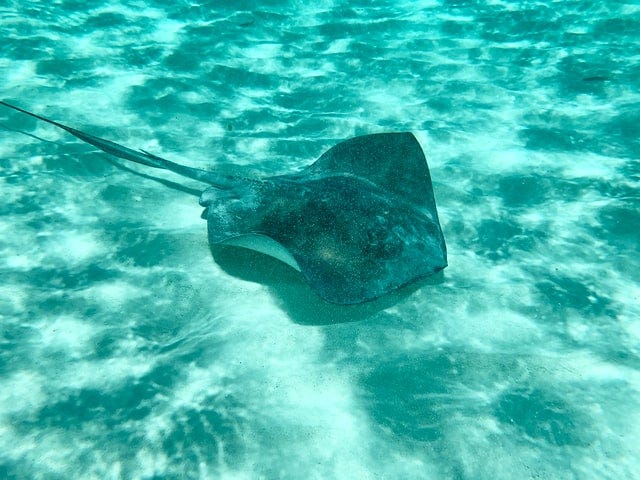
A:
(358, 223)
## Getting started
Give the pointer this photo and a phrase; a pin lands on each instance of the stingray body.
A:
(358, 223)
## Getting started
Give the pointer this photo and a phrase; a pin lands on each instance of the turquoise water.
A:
(130, 350)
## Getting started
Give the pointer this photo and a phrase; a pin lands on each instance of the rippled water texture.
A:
(131, 350)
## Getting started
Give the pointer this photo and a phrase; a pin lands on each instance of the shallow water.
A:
(131, 350)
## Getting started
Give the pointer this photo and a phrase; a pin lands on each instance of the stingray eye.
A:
(208, 197)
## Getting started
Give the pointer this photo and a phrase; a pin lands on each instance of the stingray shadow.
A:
(296, 298)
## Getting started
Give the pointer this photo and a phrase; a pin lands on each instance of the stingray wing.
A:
(395, 162)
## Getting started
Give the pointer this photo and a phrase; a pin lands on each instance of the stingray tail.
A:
(142, 157)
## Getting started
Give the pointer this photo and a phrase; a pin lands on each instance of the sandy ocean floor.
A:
(130, 350)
